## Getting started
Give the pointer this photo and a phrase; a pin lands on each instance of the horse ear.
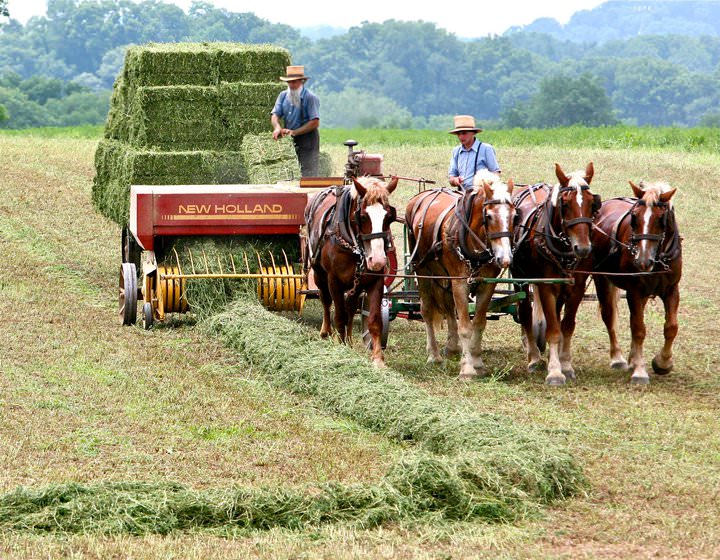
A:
(589, 172)
(636, 190)
(487, 188)
(667, 195)
(510, 186)
(359, 187)
(564, 180)
(392, 184)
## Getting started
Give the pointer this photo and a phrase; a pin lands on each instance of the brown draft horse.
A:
(455, 237)
(348, 235)
(552, 240)
(639, 238)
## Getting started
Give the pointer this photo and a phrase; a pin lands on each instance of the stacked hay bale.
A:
(179, 115)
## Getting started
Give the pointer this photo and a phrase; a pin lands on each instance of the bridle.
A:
(463, 213)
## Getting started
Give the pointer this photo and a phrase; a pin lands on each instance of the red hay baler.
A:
(160, 214)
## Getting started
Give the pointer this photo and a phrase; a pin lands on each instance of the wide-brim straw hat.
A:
(294, 73)
(464, 123)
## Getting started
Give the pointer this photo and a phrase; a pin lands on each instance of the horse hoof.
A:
(379, 364)
(569, 374)
(536, 366)
(434, 360)
(466, 377)
(324, 335)
(657, 368)
(619, 365)
(639, 380)
(555, 380)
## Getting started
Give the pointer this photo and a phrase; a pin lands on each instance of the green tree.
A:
(23, 112)
(565, 101)
(3, 8)
(3, 114)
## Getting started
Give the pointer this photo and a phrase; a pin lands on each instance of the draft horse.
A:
(552, 240)
(348, 239)
(638, 238)
(455, 239)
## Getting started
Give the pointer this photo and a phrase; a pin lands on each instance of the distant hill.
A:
(316, 32)
(624, 19)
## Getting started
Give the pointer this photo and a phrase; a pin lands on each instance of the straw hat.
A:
(294, 73)
(463, 123)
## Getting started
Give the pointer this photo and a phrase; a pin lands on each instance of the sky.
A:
(465, 19)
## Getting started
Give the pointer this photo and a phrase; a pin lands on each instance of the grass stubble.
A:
(651, 456)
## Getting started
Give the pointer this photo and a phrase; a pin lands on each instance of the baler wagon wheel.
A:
(127, 295)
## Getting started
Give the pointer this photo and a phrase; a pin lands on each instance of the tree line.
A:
(58, 69)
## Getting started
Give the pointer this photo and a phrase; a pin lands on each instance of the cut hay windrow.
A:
(419, 488)
(513, 459)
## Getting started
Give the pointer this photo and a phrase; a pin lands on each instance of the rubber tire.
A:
(127, 298)
(147, 316)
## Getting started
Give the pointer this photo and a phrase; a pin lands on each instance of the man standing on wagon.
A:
(471, 155)
(300, 110)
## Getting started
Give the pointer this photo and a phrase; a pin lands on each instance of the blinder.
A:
(596, 203)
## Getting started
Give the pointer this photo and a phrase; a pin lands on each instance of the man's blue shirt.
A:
(463, 161)
(295, 117)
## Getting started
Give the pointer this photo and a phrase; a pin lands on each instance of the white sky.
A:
(473, 18)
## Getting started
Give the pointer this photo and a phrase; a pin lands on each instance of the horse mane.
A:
(485, 175)
(376, 190)
(652, 192)
(575, 179)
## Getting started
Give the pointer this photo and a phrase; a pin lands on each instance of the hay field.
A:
(83, 400)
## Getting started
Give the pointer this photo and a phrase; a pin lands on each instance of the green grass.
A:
(613, 137)
(84, 401)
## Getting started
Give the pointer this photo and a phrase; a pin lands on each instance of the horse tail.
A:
(539, 324)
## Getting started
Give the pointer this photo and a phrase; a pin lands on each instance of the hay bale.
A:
(268, 160)
(166, 64)
(325, 165)
(119, 165)
(176, 118)
(181, 118)
(251, 63)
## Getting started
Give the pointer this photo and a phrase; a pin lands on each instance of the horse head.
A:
(574, 207)
(372, 216)
(651, 221)
(498, 215)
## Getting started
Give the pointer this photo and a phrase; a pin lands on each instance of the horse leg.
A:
(452, 346)
(637, 329)
(482, 301)
(548, 300)
(351, 304)
(374, 295)
(607, 299)
(431, 318)
(662, 363)
(326, 300)
(525, 315)
(338, 298)
(568, 323)
(467, 361)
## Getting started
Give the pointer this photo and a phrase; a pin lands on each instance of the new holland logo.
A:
(230, 212)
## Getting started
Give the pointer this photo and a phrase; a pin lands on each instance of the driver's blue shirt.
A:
(463, 160)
